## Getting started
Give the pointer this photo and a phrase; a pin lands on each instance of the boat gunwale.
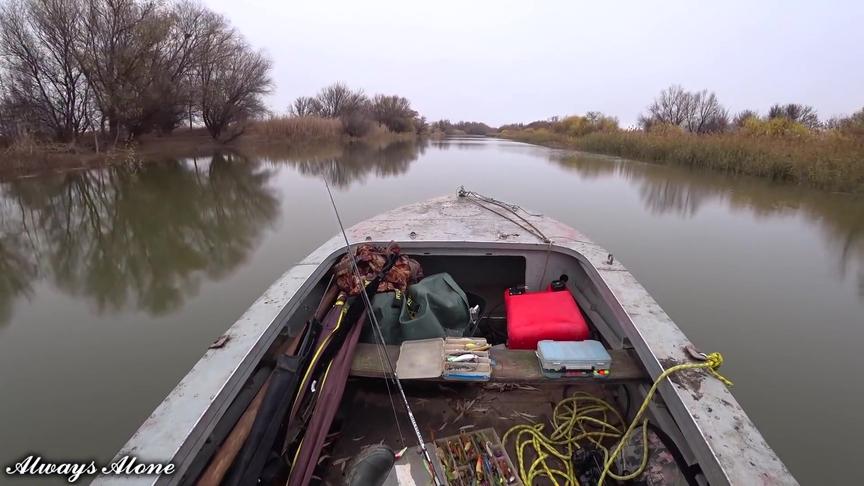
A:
(156, 440)
(627, 298)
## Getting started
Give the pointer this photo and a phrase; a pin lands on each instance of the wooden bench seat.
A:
(510, 366)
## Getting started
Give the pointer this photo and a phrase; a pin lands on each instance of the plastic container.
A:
(456, 359)
(549, 315)
(573, 358)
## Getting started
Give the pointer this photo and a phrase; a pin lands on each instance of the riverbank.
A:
(270, 137)
(826, 161)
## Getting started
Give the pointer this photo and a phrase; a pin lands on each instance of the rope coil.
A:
(585, 417)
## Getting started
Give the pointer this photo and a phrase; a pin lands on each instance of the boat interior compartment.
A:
(485, 278)
(457, 341)
(517, 392)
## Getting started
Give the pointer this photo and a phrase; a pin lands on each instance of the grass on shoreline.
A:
(828, 161)
(296, 130)
(305, 130)
(22, 159)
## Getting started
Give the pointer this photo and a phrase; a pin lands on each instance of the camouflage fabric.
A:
(370, 261)
(661, 470)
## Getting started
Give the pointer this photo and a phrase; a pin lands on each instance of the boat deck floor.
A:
(441, 410)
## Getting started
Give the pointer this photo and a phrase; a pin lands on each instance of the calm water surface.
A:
(113, 282)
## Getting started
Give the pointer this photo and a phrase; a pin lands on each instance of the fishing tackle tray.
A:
(458, 457)
(559, 359)
(457, 359)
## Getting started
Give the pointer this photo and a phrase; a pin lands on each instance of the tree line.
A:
(693, 129)
(463, 128)
(700, 112)
(357, 112)
(123, 68)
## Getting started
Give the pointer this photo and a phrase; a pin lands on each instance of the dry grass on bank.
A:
(829, 161)
(305, 130)
(296, 130)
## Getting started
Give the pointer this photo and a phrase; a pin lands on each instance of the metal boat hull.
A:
(704, 417)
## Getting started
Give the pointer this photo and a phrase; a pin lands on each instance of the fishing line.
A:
(377, 329)
(387, 377)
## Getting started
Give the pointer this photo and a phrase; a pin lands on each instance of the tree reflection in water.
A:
(460, 143)
(17, 273)
(344, 165)
(140, 236)
(683, 192)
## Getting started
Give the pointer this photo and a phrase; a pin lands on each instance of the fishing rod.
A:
(377, 328)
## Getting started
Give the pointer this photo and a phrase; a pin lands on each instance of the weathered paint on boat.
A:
(723, 440)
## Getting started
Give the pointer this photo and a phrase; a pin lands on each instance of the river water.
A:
(114, 281)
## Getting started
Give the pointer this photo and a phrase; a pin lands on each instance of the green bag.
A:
(386, 306)
(436, 307)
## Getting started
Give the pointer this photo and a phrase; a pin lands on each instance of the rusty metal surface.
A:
(728, 446)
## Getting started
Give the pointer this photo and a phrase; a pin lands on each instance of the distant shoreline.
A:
(826, 163)
(43, 159)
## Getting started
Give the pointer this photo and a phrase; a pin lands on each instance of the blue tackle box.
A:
(560, 359)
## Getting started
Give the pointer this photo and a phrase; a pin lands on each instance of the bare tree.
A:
(672, 107)
(474, 128)
(421, 126)
(706, 114)
(7, 124)
(696, 112)
(231, 79)
(851, 125)
(44, 79)
(338, 100)
(166, 97)
(304, 106)
(117, 43)
(742, 117)
(136, 65)
(394, 112)
(803, 114)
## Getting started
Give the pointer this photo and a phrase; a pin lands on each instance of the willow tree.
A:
(116, 41)
(44, 84)
(394, 112)
(231, 79)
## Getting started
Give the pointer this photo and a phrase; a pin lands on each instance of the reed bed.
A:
(297, 129)
(829, 160)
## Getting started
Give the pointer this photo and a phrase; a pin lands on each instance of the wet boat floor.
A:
(441, 409)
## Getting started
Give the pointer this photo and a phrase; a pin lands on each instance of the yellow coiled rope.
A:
(584, 417)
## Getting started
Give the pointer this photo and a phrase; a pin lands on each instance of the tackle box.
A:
(475, 458)
(560, 359)
(548, 314)
(457, 359)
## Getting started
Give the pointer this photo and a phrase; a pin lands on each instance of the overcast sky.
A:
(502, 61)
